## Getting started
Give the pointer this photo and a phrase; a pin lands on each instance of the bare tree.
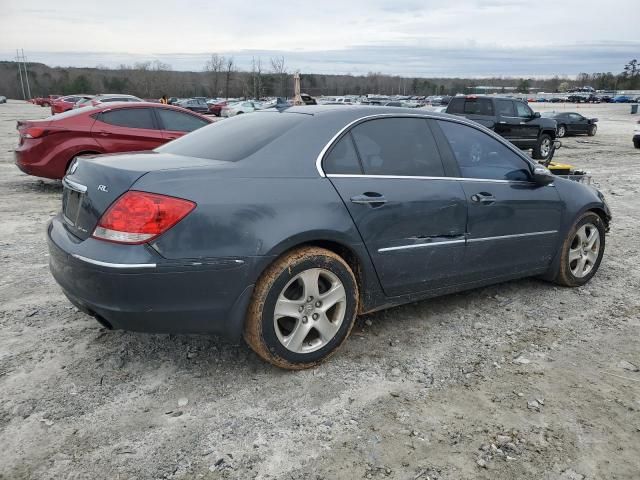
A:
(256, 77)
(214, 66)
(279, 68)
(228, 71)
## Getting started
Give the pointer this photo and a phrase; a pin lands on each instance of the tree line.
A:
(221, 77)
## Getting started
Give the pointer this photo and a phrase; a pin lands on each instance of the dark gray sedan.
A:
(282, 226)
(572, 123)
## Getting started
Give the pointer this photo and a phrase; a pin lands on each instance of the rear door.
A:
(127, 129)
(174, 124)
(513, 223)
(410, 215)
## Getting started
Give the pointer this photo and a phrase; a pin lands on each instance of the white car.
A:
(238, 108)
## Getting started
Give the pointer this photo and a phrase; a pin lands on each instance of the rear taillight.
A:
(139, 217)
(34, 132)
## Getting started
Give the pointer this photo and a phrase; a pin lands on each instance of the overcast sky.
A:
(405, 37)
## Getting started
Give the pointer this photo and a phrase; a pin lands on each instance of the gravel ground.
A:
(519, 380)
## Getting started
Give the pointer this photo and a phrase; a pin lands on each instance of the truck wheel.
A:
(542, 150)
(592, 130)
(562, 131)
(303, 308)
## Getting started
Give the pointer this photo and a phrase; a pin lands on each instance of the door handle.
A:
(102, 133)
(373, 199)
(483, 198)
(171, 138)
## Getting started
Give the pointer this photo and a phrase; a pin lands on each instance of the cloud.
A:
(417, 37)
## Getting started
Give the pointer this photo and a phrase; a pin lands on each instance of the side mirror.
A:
(536, 115)
(542, 175)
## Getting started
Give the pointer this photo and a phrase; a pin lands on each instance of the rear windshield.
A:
(234, 138)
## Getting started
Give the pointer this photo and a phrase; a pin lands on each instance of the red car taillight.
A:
(139, 217)
(34, 132)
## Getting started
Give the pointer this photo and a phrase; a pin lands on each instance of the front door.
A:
(513, 224)
(411, 217)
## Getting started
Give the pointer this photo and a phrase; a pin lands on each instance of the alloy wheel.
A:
(545, 147)
(584, 250)
(310, 310)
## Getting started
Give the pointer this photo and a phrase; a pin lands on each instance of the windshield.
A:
(235, 138)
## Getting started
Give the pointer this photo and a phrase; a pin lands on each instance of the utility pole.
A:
(24, 96)
(26, 75)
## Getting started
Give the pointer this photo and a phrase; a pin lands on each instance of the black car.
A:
(284, 225)
(510, 117)
(572, 123)
(198, 105)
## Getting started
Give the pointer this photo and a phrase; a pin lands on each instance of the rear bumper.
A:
(131, 287)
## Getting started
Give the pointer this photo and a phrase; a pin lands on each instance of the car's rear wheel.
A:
(542, 150)
(562, 131)
(303, 308)
(636, 142)
(582, 251)
(592, 130)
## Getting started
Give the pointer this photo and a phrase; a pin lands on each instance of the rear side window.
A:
(342, 158)
(482, 156)
(129, 117)
(505, 108)
(178, 121)
(398, 146)
(235, 138)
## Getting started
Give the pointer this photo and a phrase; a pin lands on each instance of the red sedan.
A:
(64, 104)
(216, 108)
(47, 146)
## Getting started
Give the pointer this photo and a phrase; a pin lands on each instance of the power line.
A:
(21, 60)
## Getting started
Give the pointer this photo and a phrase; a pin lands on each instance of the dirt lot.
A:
(515, 381)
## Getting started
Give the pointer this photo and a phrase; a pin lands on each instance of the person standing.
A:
(164, 100)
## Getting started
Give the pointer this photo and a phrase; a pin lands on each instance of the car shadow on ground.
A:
(37, 186)
(205, 355)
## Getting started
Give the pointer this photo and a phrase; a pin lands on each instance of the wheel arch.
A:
(356, 257)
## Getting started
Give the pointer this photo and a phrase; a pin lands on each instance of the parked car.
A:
(83, 102)
(63, 104)
(572, 123)
(114, 97)
(238, 108)
(284, 225)
(636, 135)
(45, 101)
(622, 99)
(511, 118)
(47, 147)
(3, 99)
(195, 105)
(216, 108)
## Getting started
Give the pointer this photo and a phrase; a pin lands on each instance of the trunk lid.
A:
(93, 183)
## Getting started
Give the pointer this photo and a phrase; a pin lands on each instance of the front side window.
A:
(398, 146)
(523, 111)
(179, 121)
(505, 108)
(481, 156)
(129, 117)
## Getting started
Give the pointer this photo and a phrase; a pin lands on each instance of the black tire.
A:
(592, 130)
(543, 149)
(562, 131)
(636, 142)
(565, 275)
(262, 328)
(239, 113)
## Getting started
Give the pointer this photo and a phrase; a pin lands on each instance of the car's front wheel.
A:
(303, 308)
(592, 130)
(582, 251)
(542, 150)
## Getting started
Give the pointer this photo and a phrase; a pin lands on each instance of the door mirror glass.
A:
(542, 175)
(536, 114)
